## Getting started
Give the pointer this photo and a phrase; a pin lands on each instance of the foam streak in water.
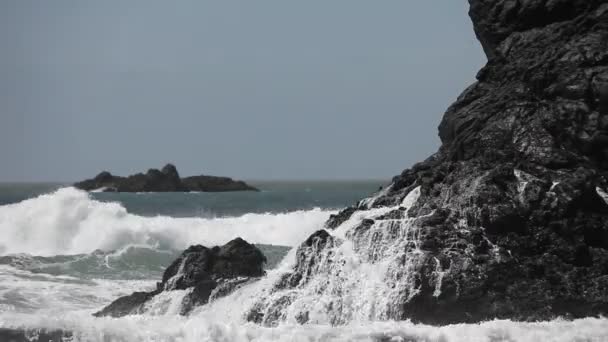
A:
(602, 194)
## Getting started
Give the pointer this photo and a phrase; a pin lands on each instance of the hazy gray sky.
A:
(265, 89)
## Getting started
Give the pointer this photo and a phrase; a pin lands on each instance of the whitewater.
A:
(66, 254)
(69, 222)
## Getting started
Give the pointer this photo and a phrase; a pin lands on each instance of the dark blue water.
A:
(276, 196)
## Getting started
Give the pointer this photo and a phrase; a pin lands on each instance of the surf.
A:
(70, 221)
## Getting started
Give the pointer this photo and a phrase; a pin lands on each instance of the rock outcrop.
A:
(21, 335)
(509, 219)
(208, 273)
(165, 180)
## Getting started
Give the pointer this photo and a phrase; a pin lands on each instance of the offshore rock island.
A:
(165, 180)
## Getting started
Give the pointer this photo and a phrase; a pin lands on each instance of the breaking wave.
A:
(69, 221)
(200, 328)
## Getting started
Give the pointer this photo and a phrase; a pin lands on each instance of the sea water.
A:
(65, 254)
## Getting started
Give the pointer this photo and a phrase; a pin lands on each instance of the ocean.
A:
(66, 253)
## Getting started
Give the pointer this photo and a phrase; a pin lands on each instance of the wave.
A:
(68, 303)
(69, 221)
(128, 263)
(46, 295)
(131, 262)
(187, 329)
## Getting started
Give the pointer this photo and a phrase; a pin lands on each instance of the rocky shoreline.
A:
(510, 217)
(165, 180)
(507, 220)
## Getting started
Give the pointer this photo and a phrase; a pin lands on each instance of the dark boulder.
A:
(127, 305)
(165, 180)
(210, 272)
(336, 220)
(35, 335)
(235, 259)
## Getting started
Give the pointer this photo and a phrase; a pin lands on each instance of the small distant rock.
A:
(165, 180)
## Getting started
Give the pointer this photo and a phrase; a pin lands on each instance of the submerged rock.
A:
(509, 219)
(165, 180)
(127, 305)
(208, 273)
(36, 335)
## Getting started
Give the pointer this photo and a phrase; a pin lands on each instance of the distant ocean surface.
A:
(66, 253)
(275, 197)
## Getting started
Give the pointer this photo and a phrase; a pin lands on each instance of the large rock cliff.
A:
(509, 219)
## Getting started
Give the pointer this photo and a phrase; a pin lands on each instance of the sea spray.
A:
(205, 328)
(362, 272)
(22, 291)
(69, 221)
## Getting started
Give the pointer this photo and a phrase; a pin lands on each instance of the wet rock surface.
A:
(511, 221)
(19, 335)
(208, 273)
(165, 180)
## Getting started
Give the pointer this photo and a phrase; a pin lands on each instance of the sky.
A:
(265, 89)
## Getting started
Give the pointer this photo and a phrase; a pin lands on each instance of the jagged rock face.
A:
(165, 180)
(207, 274)
(523, 164)
(511, 215)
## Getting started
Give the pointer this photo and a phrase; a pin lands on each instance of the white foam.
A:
(411, 198)
(205, 328)
(368, 203)
(522, 179)
(361, 276)
(166, 303)
(48, 295)
(602, 194)
(438, 273)
(224, 320)
(68, 221)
